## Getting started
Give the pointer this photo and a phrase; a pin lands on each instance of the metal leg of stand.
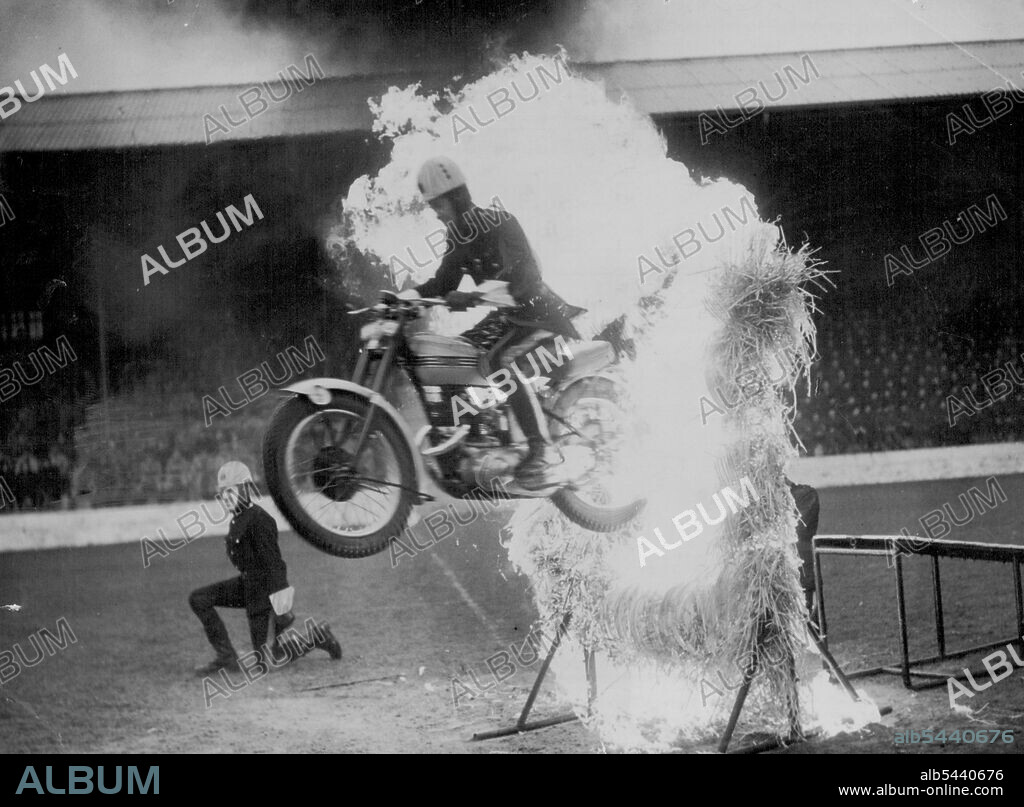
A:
(741, 696)
(590, 662)
(819, 590)
(543, 671)
(521, 724)
(795, 732)
(831, 662)
(776, 742)
(737, 707)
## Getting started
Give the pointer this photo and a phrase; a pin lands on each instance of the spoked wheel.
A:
(343, 503)
(591, 421)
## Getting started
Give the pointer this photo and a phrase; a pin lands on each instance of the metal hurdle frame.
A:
(896, 546)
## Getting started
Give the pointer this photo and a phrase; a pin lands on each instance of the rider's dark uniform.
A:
(489, 244)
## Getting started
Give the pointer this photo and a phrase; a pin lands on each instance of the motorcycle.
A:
(345, 468)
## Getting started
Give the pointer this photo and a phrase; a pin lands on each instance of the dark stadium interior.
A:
(890, 354)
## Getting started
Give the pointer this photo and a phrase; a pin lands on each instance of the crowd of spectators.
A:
(37, 435)
(63, 444)
(143, 447)
(35, 476)
(883, 387)
(133, 455)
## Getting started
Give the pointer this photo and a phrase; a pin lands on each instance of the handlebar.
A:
(489, 293)
(390, 300)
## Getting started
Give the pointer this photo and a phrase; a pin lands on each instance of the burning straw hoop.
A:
(755, 609)
(766, 312)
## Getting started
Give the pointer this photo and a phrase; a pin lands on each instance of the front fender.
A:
(319, 390)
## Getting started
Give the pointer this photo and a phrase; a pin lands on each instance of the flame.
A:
(592, 184)
(830, 710)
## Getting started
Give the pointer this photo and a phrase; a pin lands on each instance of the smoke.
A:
(143, 44)
(117, 45)
(182, 43)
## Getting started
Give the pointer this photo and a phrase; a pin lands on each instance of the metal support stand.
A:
(796, 734)
(521, 725)
(737, 708)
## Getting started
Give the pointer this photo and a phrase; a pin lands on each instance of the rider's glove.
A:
(408, 294)
(459, 300)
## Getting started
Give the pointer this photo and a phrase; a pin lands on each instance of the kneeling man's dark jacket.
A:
(253, 550)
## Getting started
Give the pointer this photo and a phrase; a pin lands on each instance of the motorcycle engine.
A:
(483, 466)
(484, 455)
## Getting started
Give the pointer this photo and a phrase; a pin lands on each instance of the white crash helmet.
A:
(437, 176)
(233, 474)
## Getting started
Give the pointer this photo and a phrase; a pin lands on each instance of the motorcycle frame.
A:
(393, 353)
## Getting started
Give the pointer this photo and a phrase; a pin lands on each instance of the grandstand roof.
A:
(69, 122)
(857, 75)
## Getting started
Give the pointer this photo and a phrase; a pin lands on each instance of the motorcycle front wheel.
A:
(345, 504)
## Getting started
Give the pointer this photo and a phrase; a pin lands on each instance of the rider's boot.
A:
(541, 466)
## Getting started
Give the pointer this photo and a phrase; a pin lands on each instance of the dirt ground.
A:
(126, 683)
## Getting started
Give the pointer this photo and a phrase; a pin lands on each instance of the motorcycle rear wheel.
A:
(345, 505)
(589, 514)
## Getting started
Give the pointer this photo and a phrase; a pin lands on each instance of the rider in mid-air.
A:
(498, 252)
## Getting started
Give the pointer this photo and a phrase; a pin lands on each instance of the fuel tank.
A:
(439, 360)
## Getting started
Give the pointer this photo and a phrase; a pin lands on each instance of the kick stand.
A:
(521, 724)
(795, 733)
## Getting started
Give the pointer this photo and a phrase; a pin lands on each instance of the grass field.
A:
(125, 684)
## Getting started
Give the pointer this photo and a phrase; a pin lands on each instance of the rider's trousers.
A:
(505, 343)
